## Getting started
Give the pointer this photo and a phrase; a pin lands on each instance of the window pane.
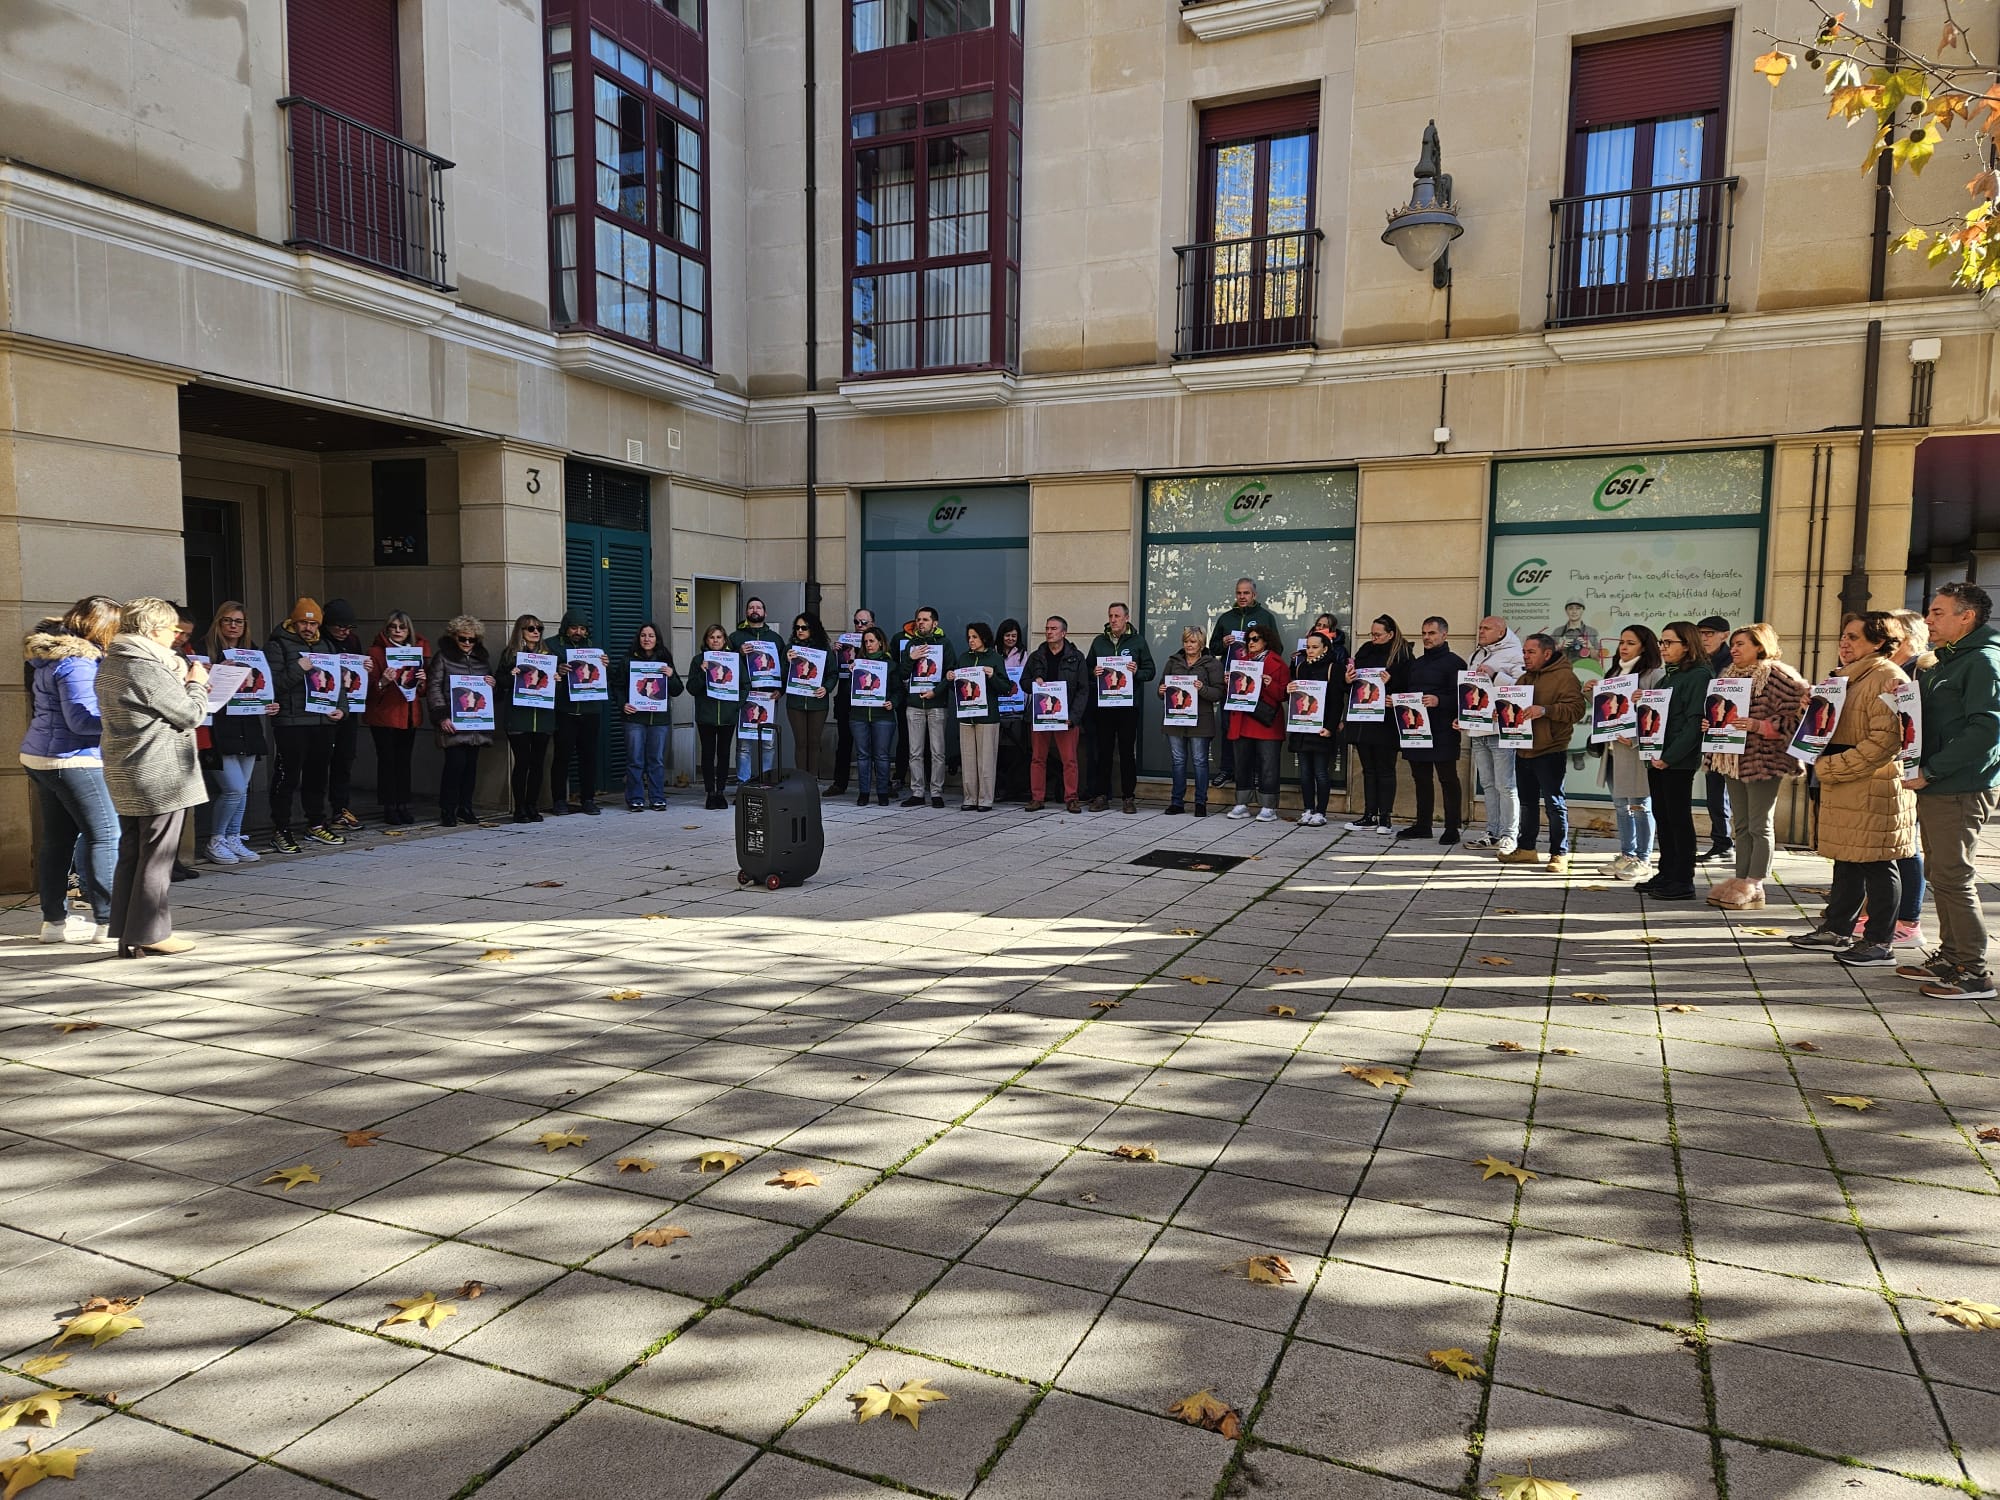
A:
(1673, 249)
(694, 343)
(958, 181)
(687, 12)
(884, 322)
(963, 107)
(621, 151)
(885, 205)
(891, 121)
(957, 322)
(694, 283)
(1603, 224)
(1234, 172)
(884, 23)
(1289, 193)
(558, 39)
(562, 134)
(944, 17)
(563, 309)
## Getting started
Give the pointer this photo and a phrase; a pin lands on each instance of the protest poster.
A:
(254, 696)
(354, 679)
(534, 680)
(722, 675)
(758, 714)
(1475, 703)
(1368, 696)
(1510, 716)
(322, 682)
(1183, 701)
(1306, 706)
(760, 658)
(1816, 724)
(1614, 708)
(1014, 702)
(1725, 716)
(805, 677)
(1051, 705)
(223, 682)
(1413, 721)
(471, 704)
(1908, 704)
(926, 666)
(969, 689)
(648, 687)
(870, 683)
(1652, 718)
(401, 664)
(1245, 685)
(1117, 677)
(589, 678)
(848, 642)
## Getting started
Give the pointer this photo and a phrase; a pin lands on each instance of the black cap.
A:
(1713, 622)
(340, 612)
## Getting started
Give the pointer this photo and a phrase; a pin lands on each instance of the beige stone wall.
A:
(1081, 549)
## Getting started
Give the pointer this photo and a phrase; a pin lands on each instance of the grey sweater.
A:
(150, 711)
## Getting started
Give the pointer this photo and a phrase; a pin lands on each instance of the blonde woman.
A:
(461, 653)
(1777, 698)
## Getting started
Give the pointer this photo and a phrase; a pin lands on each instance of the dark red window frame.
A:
(680, 52)
(933, 71)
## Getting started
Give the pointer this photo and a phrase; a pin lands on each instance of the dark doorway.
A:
(212, 538)
(609, 557)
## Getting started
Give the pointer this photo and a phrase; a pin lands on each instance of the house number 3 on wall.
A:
(534, 481)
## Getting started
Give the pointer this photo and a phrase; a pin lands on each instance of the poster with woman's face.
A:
(1510, 716)
(1651, 718)
(589, 680)
(1183, 701)
(722, 674)
(534, 680)
(1725, 715)
(870, 687)
(1614, 707)
(1245, 685)
(971, 692)
(806, 674)
(1413, 721)
(322, 682)
(471, 700)
(1368, 696)
(255, 694)
(1049, 703)
(761, 657)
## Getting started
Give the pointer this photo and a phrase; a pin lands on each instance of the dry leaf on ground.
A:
(1766, 931)
(43, 1364)
(1201, 979)
(1955, 1310)
(555, 1140)
(722, 1161)
(357, 1138)
(1505, 1047)
(31, 1468)
(1650, 938)
(100, 1319)
(496, 955)
(1590, 997)
(1498, 1168)
(628, 995)
(689, 827)
(369, 943)
(656, 916)
(66, 1027)
(1137, 1153)
(1989, 1133)
(1495, 961)
(1457, 1362)
(794, 1177)
(1275, 969)
(426, 1310)
(1205, 1409)
(293, 1177)
(43, 1406)
(905, 1401)
(1528, 1487)
(1376, 1077)
(1506, 911)
(1680, 1010)
(636, 1164)
(1855, 1102)
(544, 885)
(1106, 1004)
(1271, 1270)
(666, 1234)
(1804, 1046)
(1281, 1010)
(1563, 1051)
(1086, 1197)
(470, 1289)
(1186, 932)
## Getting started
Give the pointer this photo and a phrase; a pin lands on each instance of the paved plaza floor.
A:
(1719, 1280)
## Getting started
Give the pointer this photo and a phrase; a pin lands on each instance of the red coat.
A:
(387, 708)
(1277, 679)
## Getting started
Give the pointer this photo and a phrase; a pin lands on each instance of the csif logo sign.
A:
(948, 514)
(1622, 486)
(1529, 577)
(1247, 501)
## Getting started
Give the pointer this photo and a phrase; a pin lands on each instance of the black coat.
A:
(1369, 654)
(1436, 672)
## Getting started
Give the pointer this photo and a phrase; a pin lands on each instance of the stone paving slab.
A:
(1716, 1279)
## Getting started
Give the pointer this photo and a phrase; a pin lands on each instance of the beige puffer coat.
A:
(1866, 814)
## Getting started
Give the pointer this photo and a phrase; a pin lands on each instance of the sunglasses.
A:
(531, 630)
(465, 640)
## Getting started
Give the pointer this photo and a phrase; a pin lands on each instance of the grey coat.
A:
(1207, 695)
(150, 711)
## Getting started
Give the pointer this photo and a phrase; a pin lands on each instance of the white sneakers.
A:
(1267, 815)
(1633, 869)
(232, 851)
(84, 931)
(244, 853)
(1312, 820)
(55, 932)
(1239, 812)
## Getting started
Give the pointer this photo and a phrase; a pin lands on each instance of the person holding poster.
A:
(395, 711)
(1867, 816)
(1190, 688)
(843, 745)
(874, 715)
(1556, 707)
(762, 652)
(1258, 734)
(236, 742)
(578, 708)
(1433, 677)
(1012, 785)
(1622, 771)
(341, 636)
(1671, 769)
(1495, 663)
(1777, 697)
(980, 675)
(1512, 726)
(1055, 660)
(927, 666)
(1368, 728)
(527, 684)
(1312, 696)
(461, 653)
(1958, 784)
(1120, 663)
(650, 686)
(304, 738)
(806, 697)
(715, 712)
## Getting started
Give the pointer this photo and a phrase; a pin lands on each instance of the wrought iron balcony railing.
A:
(1648, 253)
(1246, 296)
(362, 194)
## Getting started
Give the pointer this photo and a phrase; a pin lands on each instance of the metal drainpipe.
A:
(1854, 587)
(812, 314)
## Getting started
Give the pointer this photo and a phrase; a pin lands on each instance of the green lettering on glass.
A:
(946, 515)
(1248, 500)
(1530, 576)
(1621, 487)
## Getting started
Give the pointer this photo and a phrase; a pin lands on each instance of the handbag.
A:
(1265, 713)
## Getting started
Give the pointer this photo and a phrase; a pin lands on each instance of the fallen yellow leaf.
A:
(905, 1401)
(1204, 1409)
(1281, 1010)
(1186, 932)
(665, 1235)
(100, 1319)
(66, 1027)
(794, 1177)
(1564, 1051)
(1271, 1270)
(1680, 1010)
(31, 1468)
(354, 1139)
(369, 943)
(1856, 1102)
(470, 1289)
(1590, 997)
(656, 916)
(1106, 1004)
(1137, 1153)
(636, 1164)
(496, 955)
(1498, 1168)
(1528, 1487)
(1506, 911)
(426, 1310)
(1989, 1133)
(1955, 1310)
(1505, 1047)
(544, 885)
(1765, 931)
(1456, 1361)
(1495, 961)
(722, 1161)
(43, 1406)
(555, 1140)
(293, 1177)
(1805, 1046)
(1375, 1077)
(1201, 979)
(1275, 969)
(43, 1364)
(628, 994)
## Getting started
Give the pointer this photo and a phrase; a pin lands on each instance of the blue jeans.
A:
(80, 827)
(763, 747)
(1911, 871)
(874, 751)
(1185, 748)
(645, 759)
(1493, 764)
(232, 795)
(1541, 780)
(1635, 826)
(1316, 777)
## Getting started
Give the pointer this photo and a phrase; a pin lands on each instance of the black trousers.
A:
(1446, 772)
(1011, 777)
(304, 753)
(1116, 729)
(576, 741)
(340, 764)
(715, 739)
(455, 783)
(1717, 793)
(1672, 795)
(140, 888)
(843, 749)
(1879, 884)
(393, 749)
(530, 752)
(1378, 780)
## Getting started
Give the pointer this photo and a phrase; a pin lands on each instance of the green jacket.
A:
(1961, 698)
(941, 694)
(1241, 619)
(1131, 644)
(996, 685)
(707, 710)
(520, 720)
(871, 715)
(1681, 749)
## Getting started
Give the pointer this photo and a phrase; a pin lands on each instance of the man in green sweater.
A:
(927, 704)
(1958, 786)
(756, 749)
(1117, 726)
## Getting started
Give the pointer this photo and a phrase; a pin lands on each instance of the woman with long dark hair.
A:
(806, 709)
(528, 729)
(1011, 782)
(1624, 772)
(714, 720)
(1376, 742)
(235, 743)
(393, 716)
(646, 728)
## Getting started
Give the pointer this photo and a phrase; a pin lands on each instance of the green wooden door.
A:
(610, 583)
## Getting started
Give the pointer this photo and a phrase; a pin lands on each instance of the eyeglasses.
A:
(230, 620)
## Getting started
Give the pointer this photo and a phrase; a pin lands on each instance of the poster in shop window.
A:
(1652, 718)
(968, 688)
(1306, 706)
(322, 682)
(1413, 721)
(1725, 716)
(1614, 707)
(1510, 716)
(648, 689)
(761, 657)
(1116, 678)
(471, 705)
(871, 683)
(1183, 700)
(1050, 702)
(1246, 685)
(1368, 696)
(255, 694)
(400, 665)
(806, 676)
(1816, 724)
(535, 680)
(722, 675)
(1908, 704)
(589, 681)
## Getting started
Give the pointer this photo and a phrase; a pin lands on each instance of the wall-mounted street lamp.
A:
(1421, 231)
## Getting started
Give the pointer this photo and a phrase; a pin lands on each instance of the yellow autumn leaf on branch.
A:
(1773, 65)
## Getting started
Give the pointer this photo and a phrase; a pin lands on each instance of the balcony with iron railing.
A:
(1246, 296)
(364, 195)
(1645, 253)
